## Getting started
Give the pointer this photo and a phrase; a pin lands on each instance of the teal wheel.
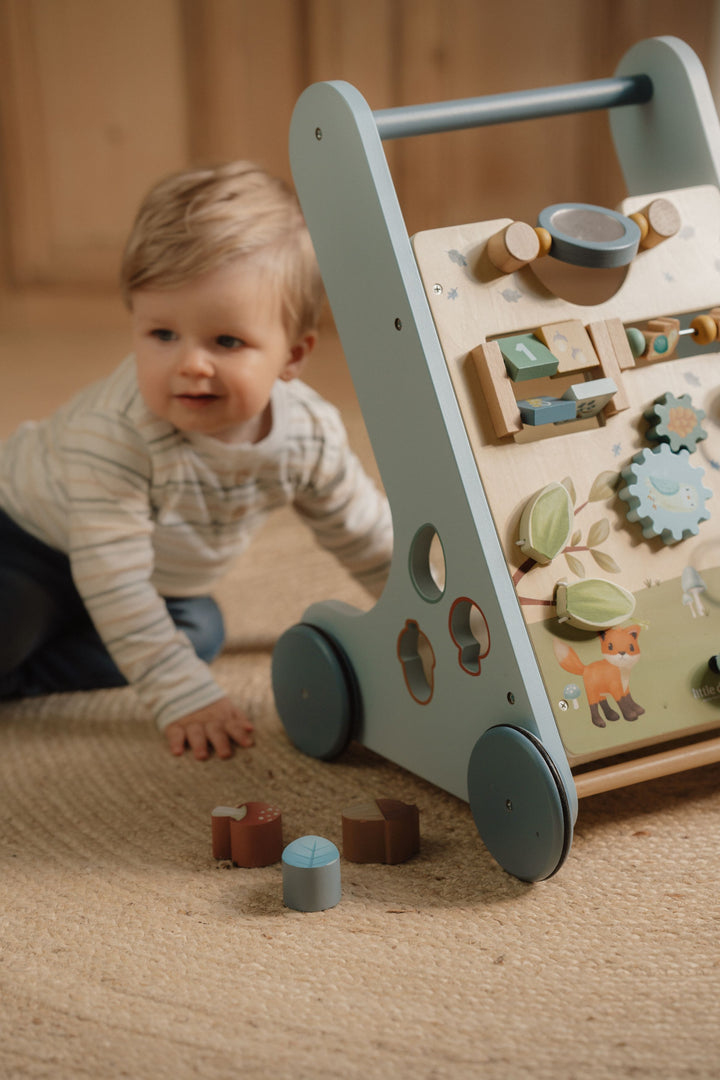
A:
(519, 803)
(315, 691)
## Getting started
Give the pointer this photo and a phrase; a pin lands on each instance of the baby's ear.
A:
(299, 353)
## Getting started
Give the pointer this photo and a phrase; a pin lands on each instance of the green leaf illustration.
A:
(576, 538)
(606, 562)
(593, 604)
(570, 488)
(603, 486)
(575, 565)
(546, 523)
(598, 532)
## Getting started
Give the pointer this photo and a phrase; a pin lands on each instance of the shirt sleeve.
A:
(106, 470)
(349, 516)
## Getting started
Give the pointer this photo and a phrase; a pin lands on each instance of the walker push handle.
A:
(505, 108)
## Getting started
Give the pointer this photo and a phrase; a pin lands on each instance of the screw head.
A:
(563, 705)
(318, 133)
(398, 324)
(437, 288)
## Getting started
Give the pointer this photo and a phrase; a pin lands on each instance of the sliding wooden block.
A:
(620, 343)
(570, 345)
(382, 831)
(526, 357)
(497, 389)
(661, 338)
(609, 365)
(546, 410)
(591, 397)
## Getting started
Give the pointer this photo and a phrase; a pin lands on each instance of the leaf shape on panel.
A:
(598, 532)
(576, 567)
(605, 561)
(546, 523)
(593, 604)
(603, 486)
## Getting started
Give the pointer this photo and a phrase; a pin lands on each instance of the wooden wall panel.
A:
(98, 98)
(93, 110)
(246, 67)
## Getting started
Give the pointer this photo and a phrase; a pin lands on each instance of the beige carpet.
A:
(126, 951)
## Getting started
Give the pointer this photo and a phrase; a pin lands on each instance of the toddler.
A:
(119, 513)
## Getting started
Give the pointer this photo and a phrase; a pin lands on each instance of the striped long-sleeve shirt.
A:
(144, 511)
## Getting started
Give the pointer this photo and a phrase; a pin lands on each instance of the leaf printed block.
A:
(311, 874)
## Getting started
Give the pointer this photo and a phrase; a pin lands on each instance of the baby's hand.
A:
(220, 725)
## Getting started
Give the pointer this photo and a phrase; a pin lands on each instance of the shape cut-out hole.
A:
(471, 633)
(416, 655)
(427, 564)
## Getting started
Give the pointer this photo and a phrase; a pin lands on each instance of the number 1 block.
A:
(527, 358)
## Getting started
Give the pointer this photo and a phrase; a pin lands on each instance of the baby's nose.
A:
(195, 361)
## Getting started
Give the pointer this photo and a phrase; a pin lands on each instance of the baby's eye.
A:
(162, 334)
(227, 341)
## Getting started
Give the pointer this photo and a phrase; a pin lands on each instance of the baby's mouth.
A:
(196, 398)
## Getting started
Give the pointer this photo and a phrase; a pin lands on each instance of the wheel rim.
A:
(519, 804)
(314, 690)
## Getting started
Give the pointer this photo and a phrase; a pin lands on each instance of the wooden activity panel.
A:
(551, 452)
(598, 445)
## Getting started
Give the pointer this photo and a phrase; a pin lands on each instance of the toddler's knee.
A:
(28, 615)
(200, 618)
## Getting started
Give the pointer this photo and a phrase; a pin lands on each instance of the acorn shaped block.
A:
(250, 834)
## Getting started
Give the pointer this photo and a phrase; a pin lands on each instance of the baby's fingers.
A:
(241, 731)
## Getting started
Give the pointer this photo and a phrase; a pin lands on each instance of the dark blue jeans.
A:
(48, 642)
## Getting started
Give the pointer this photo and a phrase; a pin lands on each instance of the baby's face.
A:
(208, 352)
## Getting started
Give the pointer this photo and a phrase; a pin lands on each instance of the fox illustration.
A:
(609, 677)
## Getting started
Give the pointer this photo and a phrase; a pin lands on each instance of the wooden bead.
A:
(545, 240)
(642, 223)
(513, 247)
(705, 329)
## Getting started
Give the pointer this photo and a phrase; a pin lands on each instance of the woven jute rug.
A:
(128, 951)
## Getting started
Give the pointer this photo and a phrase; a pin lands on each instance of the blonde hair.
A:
(199, 220)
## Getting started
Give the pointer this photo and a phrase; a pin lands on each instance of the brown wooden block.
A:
(497, 389)
(570, 344)
(249, 834)
(382, 831)
(220, 822)
(256, 839)
(600, 337)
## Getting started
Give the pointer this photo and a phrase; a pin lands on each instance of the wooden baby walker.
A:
(550, 625)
